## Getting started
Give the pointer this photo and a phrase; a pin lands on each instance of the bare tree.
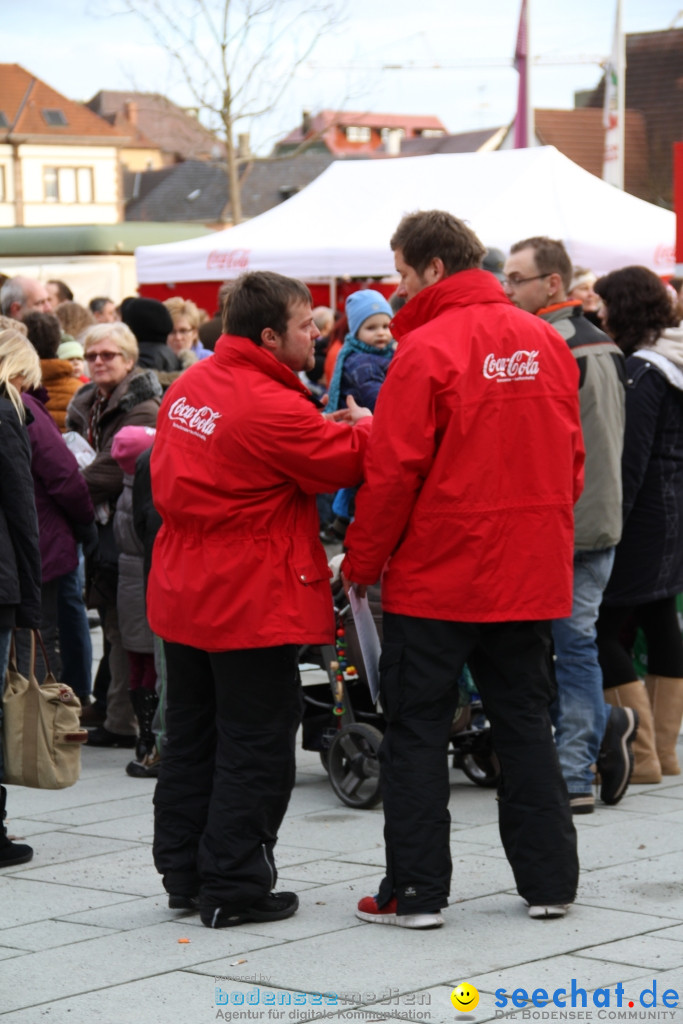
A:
(237, 58)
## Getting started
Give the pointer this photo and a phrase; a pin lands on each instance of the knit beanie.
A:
(148, 319)
(129, 443)
(494, 261)
(364, 304)
(69, 348)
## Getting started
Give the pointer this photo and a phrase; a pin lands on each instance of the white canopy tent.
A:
(340, 225)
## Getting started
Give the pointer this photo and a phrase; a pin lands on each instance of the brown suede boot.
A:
(666, 698)
(646, 767)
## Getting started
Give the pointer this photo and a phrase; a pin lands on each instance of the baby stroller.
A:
(341, 722)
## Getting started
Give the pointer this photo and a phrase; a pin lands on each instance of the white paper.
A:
(368, 638)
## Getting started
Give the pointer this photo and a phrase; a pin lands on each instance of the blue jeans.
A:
(579, 712)
(74, 634)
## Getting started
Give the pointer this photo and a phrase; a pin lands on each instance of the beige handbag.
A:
(41, 730)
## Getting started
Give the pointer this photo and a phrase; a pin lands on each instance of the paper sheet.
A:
(368, 639)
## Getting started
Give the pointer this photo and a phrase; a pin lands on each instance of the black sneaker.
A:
(582, 803)
(615, 760)
(102, 737)
(276, 906)
(178, 902)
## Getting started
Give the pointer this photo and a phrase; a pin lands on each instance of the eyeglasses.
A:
(182, 330)
(513, 282)
(106, 357)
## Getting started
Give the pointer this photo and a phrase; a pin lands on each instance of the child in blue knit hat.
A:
(360, 370)
(364, 358)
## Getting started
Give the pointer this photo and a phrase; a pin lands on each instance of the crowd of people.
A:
(500, 442)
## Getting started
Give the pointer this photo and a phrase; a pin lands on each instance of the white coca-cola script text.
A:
(201, 421)
(521, 365)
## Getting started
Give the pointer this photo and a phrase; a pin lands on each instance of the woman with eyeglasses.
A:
(121, 394)
(184, 338)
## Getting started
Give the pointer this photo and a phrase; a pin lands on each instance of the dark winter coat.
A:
(20, 573)
(649, 558)
(134, 402)
(62, 497)
(145, 516)
(130, 595)
(157, 357)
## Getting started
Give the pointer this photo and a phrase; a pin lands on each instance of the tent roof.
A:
(340, 224)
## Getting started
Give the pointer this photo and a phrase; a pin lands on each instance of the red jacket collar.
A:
(232, 350)
(461, 289)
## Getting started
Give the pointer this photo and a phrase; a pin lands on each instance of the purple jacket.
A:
(62, 496)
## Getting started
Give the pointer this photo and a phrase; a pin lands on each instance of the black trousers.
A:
(227, 771)
(617, 627)
(419, 669)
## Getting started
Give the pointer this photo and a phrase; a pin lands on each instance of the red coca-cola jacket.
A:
(474, 463)
(239, 455)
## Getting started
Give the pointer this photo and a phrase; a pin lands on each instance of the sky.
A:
(450, 58)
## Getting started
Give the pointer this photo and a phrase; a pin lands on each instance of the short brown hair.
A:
(550, 257)
(424, 235)
(262, 299)
(638, 307)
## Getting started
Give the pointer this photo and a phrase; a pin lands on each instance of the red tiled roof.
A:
(24, 98)
(326, 119)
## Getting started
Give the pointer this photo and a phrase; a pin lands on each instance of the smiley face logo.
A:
(465, 997)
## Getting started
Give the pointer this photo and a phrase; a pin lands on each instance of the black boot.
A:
(10, 853)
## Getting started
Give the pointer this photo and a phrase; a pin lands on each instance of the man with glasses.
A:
(538, 275)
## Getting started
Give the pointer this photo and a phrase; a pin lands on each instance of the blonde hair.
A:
(184, 307)
(18, 358)
(16, 325)
(119, 334)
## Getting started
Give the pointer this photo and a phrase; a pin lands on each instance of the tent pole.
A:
(333, 294)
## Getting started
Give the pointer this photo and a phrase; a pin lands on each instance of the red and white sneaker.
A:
(368, 910)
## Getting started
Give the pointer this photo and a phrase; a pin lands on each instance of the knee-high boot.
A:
(666, 698)
(646, 767)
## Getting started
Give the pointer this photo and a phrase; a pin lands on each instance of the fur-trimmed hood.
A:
(138, 386)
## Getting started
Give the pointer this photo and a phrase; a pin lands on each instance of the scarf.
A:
(350, 345)
(94, 422)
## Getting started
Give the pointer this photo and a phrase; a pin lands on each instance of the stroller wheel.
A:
(353, 767)
(481, 768)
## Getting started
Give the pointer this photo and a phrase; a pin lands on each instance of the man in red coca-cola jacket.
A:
(473, 468)
(239, 580)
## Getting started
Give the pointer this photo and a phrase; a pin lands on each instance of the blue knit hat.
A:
(364, 304)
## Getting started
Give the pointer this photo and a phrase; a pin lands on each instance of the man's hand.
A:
(359, 589)
(352, 414)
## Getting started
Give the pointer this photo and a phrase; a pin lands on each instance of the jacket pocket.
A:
(309, 568)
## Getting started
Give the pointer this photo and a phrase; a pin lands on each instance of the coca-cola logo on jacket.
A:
(195, 420)
(521, 365)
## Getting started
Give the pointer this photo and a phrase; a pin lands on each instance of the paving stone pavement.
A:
(86, 935)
